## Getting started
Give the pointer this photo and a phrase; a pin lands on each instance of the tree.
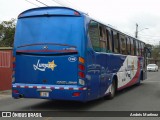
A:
(156, 54)
(7, 30)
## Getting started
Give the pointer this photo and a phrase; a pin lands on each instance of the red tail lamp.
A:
(76, 94)
(81, 74)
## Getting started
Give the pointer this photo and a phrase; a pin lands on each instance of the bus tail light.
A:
(81, 67)
(81, 70)
(76, 94)
(15, 91)
(81, 74)
(81, 60)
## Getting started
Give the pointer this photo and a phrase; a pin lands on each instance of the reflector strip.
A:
(66, 88)
(61, 88)
(22, 86)
(43, 87)
(34, 86)
(56, 87)
(50, 87)
(40, 87)
(26, 87)
(47, 87)
(30, 86)
(70, 88)
(76, 88)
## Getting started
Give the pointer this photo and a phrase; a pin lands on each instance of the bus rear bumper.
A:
(57, 92)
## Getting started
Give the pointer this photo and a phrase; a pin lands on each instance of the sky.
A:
(121, 14)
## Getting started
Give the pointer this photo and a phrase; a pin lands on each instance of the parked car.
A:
(152, 67)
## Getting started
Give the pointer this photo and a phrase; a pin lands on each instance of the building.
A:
(5, 68)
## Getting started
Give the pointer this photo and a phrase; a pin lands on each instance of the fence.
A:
(5, 68)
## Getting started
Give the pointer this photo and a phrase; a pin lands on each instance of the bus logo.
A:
(72, 59)
(43, 66)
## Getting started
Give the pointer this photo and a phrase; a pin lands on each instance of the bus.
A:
(63, 54)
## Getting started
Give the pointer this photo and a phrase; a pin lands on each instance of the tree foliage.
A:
(7, 30)
(156, 52)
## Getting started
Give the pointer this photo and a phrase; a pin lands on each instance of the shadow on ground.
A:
(76, 106)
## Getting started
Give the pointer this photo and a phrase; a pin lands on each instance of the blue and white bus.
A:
(63, 54)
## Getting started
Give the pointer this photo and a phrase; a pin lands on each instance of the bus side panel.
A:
(100, 70)
(129, 72)
(92, 76)
(143, 68)
(102, 67)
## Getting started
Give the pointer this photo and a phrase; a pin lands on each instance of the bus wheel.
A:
(112, 92)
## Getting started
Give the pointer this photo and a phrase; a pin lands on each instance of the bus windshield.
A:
(53, 29)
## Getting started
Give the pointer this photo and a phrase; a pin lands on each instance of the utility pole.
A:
(136, 33)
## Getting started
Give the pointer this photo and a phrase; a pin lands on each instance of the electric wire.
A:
(32, 3)
(41, 2)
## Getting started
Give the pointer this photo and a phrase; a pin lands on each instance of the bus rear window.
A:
(55, 29)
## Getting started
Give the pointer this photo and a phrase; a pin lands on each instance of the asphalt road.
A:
(145, 97)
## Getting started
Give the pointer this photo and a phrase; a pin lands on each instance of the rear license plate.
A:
(44, 94)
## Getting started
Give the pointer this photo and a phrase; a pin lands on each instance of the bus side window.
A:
(142, 46)
(122, 44)
(109, 41)
(94, 35)
(116, 41)
(128, 46)
(132, 47)
(103, 38)
(135, 48)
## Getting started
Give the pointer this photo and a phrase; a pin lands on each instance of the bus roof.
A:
(49, 11)
(62, 11)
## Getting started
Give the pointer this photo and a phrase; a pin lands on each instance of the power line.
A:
(68, 4)
(41, 2)
(31, 3)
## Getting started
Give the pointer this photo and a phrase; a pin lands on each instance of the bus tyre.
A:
(112, 92)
